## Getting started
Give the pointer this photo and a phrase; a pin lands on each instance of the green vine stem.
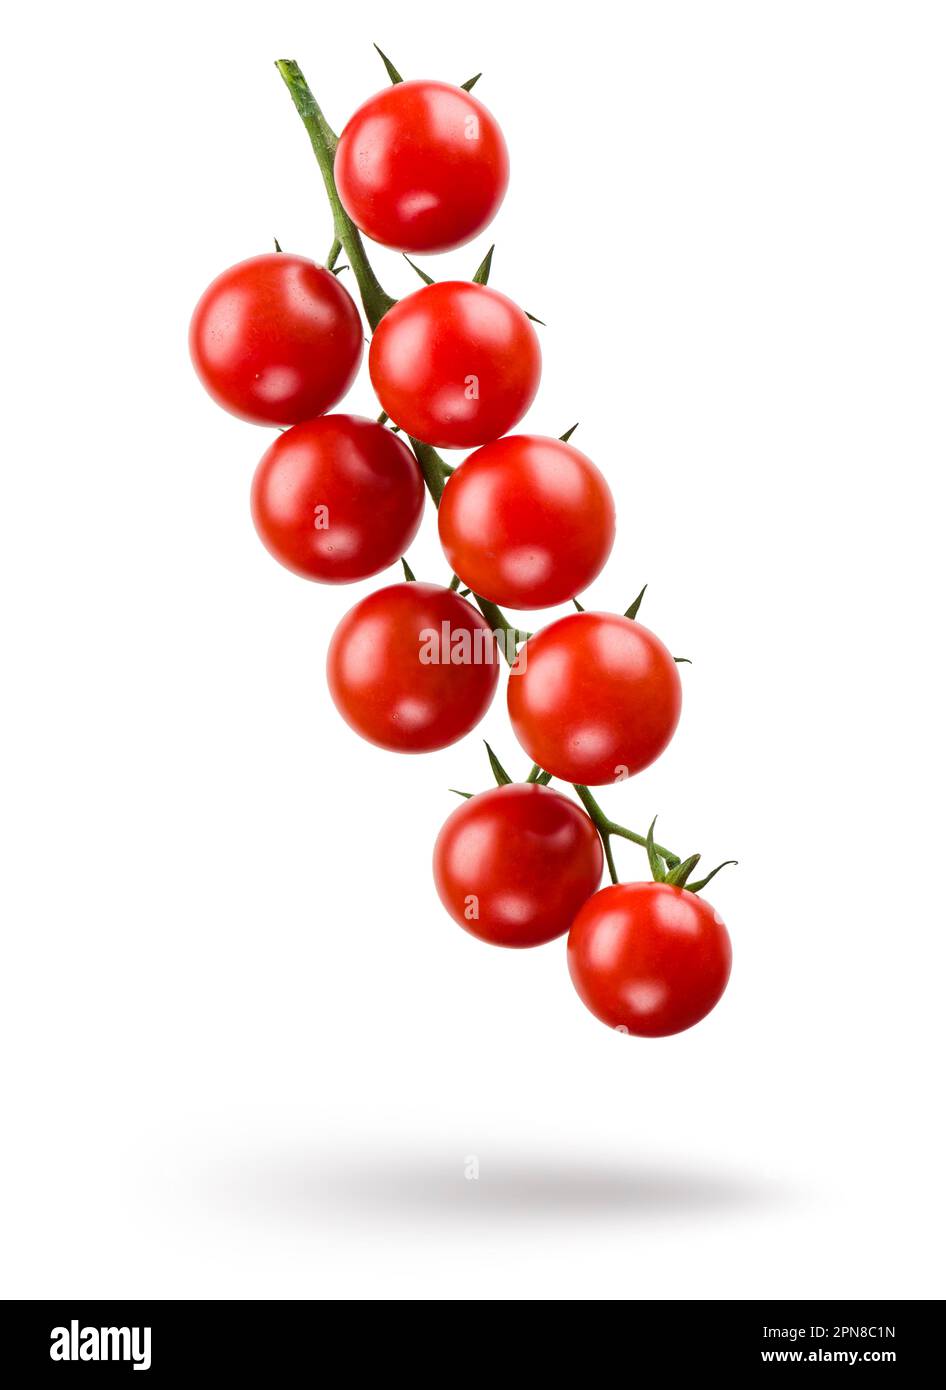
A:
(433, 468)
(376, 303)
(607, 828)
(500, 623)
(324, 141)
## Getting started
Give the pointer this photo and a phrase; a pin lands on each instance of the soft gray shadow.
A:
(412, 1187)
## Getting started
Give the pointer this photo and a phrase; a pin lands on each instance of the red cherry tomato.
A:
(413, 667)
(337, 499)
(276, 339)
(422, 166)
(527, 521)
(455, 364)
(594, 697)
(649, 959)
(514, 864)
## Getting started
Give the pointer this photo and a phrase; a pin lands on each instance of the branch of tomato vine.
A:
(435, 470)
(607, 828)
(324, 140)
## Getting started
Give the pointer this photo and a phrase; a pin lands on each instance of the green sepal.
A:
(499, 772)
(578, 605)
(695, 887)
(685, 660)
(409, 574)
(482, 275)
(455, 582)
(427, 279)
(653, 858)
(470, 82)
(456, 792)
(679, 875)
(635, 606)
(544, 778)
(392, 71)
(532, 319)
(568, 433)
(277, 245)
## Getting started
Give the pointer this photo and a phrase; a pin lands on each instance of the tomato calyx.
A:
(391, 70)
(499, 772)
(536, 776)
(678, 875)
(481, 275)
(635, 606)
(396, 77)
(665, 866)
(632, 611)
(427, 279)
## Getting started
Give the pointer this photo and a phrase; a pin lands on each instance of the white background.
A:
(244, 1052)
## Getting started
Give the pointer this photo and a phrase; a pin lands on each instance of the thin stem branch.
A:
(608, 827)
(606, 842)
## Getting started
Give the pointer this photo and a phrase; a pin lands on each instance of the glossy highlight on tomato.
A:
(648, 958)
(276, 339)
(413, 667)
(594, 697)
(422, 166)
(455, 364)
(514, 864)
(337, 498)
(527, 521)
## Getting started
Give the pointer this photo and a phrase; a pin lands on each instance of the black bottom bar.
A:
(230, 1340)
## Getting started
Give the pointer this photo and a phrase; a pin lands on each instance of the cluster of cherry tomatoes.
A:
(525, 522)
